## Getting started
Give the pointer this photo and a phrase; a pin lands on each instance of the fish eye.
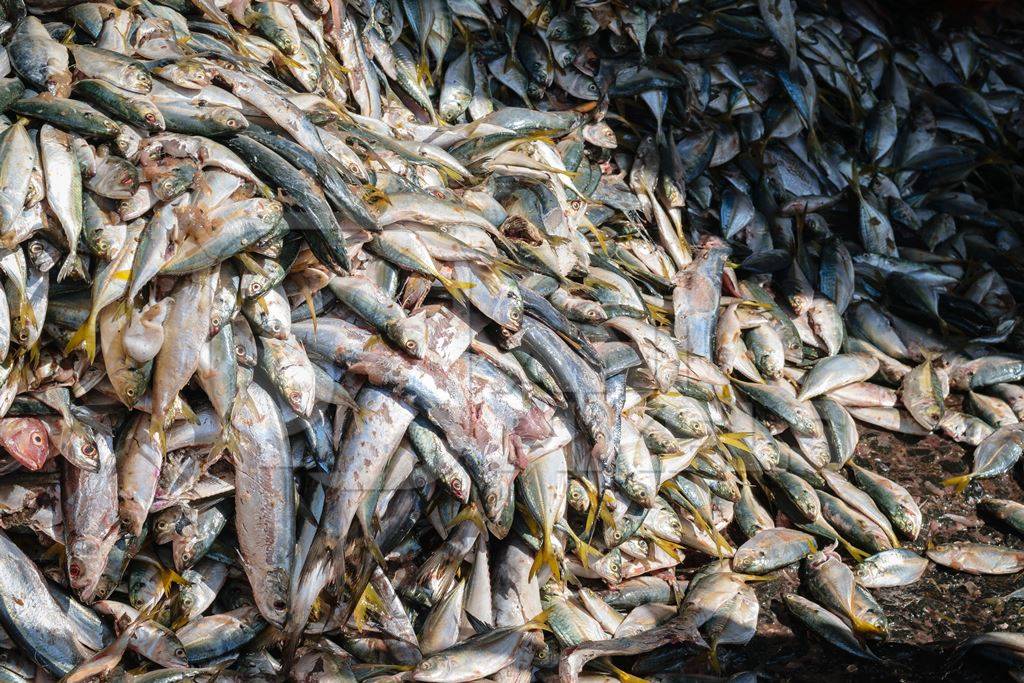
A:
(130, 391)
(280, 605)
(74, 570)
(89, 449)
(37, 439)
(411, 345)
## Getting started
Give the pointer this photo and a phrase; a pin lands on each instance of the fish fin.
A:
(669, 547)
(594, 508)
(861, 626)
(84, 335)
(479, 625)
(546, 555)
(185, 410)
(716, 666)
(455, 287)
(470, 512)
(170, 576)
(158, 433)
(960, 482)
(623, 676)
(735, 439)
(596, 232)
(228, 441)
(374, 550)
(72, 266)
(368, 601)
(538, 623)
(755, 577)
(855, 552)
(583, 549)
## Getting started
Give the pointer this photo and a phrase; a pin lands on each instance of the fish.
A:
(977, 558)
(375, 340)
(891, 568)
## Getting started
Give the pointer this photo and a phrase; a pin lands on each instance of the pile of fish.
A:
(444, 340)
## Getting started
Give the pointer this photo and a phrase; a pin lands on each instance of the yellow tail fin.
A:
(622, 675)
(960, 482)
(862, 626)
(455, 287)
(84, 335)
(546, 555)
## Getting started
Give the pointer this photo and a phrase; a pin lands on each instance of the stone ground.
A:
(928, 619)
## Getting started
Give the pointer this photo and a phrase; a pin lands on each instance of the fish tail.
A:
(84, 335)
(623, 676)
(960, 482)
(538, 623)
(170, 576)
(26, 313)
(456, 288)
(423, 70)
(374, 550)
(310, 579)
(158, 432)
(716, 666)
(583, 549)
(546, 555)
(186, 411)
(862, 626)
(470, 513)
(855, 552)
(72, 266)
(672, 549)
(228, 441)
(368, 602)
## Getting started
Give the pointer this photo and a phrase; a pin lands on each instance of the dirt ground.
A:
(926, 620)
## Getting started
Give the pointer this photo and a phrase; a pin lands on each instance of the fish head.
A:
(229, 118)
(411, 335)
(273, 596)
(25, 438)
(133, 383)
(183, 550)
(166, 650)
(138, 80)
(87, 557)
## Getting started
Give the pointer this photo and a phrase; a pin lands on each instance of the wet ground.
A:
(928, 619)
